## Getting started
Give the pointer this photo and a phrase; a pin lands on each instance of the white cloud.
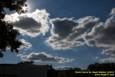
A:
(26, 44)
(32, 24)
(67, 33)
(44, 57)
(103, 35)
(112, 11)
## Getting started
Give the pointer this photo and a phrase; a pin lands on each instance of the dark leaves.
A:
(8, 38)
(12, 5)
(7, 33)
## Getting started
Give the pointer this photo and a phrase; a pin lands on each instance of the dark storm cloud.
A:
(44, 57)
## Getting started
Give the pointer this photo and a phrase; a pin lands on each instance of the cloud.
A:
(67, 33)
(44, 57)
(112, 12)
(107, 60)
(31, 24)
(26, 44)
(103, 36)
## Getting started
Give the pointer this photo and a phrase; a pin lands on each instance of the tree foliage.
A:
(8, 35)
(105, 67)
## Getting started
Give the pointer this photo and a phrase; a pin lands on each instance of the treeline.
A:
(97, 67)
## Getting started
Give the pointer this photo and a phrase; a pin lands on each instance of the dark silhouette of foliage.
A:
(13, 5)
(26, 66)
(8, 38)
(26, 62)
(93, 67)
(102, 67)
(7, 33)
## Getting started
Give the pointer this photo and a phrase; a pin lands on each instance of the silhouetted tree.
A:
(92, 67)
(26, 62)
(8, 35)
(102, 67)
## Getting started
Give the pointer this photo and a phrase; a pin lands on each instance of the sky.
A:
(65, 33)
